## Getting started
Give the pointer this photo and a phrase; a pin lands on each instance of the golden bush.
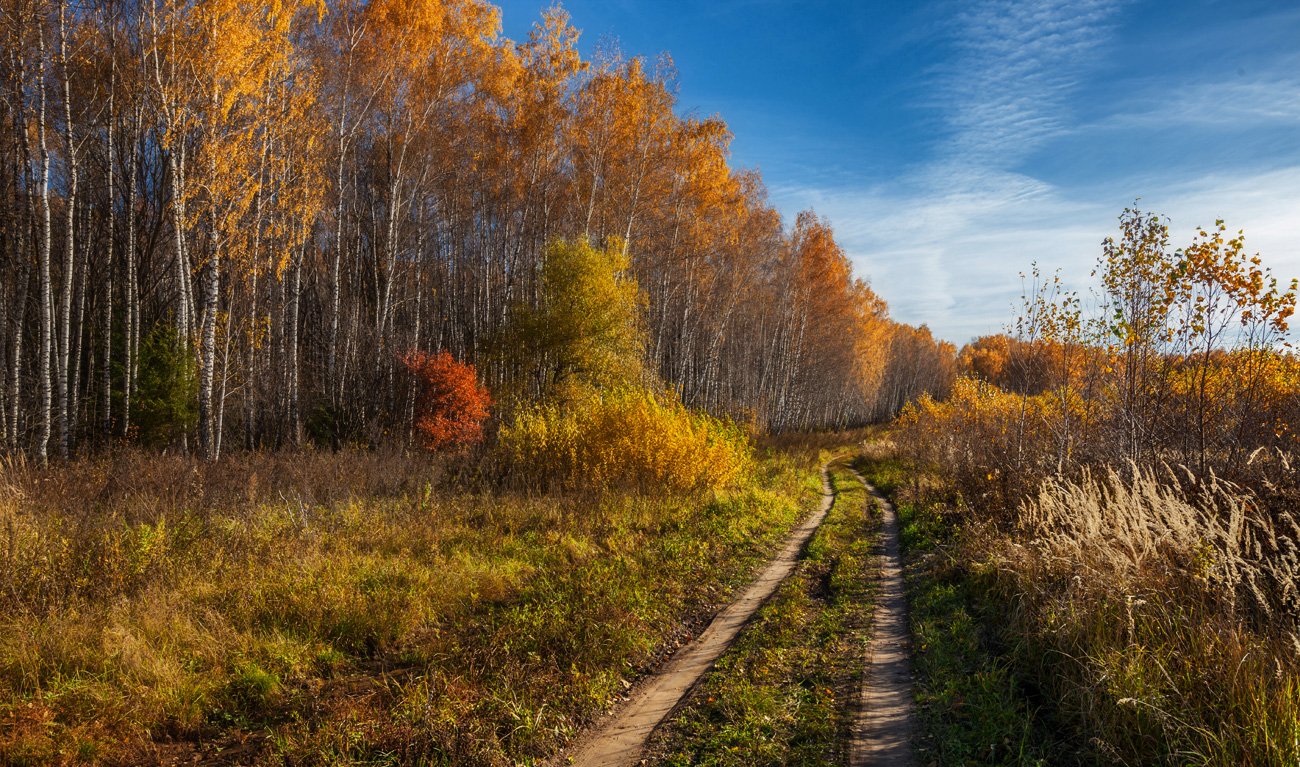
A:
(627, 438)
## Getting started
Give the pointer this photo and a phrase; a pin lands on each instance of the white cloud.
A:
(1264, 204)
(951, 258)
(946, 242)
(1269, 100)
(1005, 92)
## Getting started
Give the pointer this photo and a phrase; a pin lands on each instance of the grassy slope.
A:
(785, 692)
(393, 628)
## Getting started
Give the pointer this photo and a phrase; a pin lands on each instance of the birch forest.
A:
(224, 223)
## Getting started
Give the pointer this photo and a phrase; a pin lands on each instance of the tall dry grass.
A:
(1121, 528)
(1157, 612)
(108, 525)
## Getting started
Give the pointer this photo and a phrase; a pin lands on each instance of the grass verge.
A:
(971, 708)
(1101, 627)
(398, 625)
(786, 691)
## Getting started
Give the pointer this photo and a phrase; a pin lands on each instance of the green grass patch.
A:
(785, 692)
(971, 708)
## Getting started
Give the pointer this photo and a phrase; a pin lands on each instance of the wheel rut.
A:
(621, 739)
(884, 722)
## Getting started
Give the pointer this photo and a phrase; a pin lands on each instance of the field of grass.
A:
(344, 609)
(785, 692)
(1118, 621)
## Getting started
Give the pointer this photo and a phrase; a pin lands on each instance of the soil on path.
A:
(883, 724)
(621, 739)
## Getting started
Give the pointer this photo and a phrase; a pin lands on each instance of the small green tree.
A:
(167, 398)
(586, 330)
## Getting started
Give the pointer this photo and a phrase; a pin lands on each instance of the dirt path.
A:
(883, 725)
(620, 740)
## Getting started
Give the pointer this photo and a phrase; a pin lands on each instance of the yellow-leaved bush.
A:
(997, 445)
(629, 438)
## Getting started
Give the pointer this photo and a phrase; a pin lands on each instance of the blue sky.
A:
(952, 143)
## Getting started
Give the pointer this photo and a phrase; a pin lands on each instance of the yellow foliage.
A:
(992, 440)
(627, 438)
(587, 331)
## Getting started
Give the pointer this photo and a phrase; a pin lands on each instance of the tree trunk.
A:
(295, 292)
(106, 317)
(70, 250)
(45, 395)
(208, 447)
(132, 279)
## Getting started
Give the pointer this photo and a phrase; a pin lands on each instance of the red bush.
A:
(451, 405)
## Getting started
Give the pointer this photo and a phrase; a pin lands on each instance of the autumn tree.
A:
(1134, 271)
(293, 193)
(1185, 361)
(919, 366)
(1216, 288)
(987, 358)
(450, 404)
(586, 330)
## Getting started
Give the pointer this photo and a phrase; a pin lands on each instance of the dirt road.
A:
(621, 739)
(883, 726)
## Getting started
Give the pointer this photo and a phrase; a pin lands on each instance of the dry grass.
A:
(813, 441)
(108, 526)
(1120, 528)
(1157, 613)
(341, 608)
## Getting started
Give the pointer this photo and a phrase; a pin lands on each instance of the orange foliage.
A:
(451, 405)
(1185, 362)
(333, 175)
(1024, 367)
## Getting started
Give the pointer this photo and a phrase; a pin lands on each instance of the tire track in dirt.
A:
(884, 723)
(620, 740)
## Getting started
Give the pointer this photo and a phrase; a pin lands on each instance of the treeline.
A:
(227, 221)
(1184, 360)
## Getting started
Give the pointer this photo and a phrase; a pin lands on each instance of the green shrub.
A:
(167, 397)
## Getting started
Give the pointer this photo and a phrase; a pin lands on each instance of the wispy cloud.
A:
(939, 241)
(1272, 99)
(945, 242)
(1006, 91)
(952, 260)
